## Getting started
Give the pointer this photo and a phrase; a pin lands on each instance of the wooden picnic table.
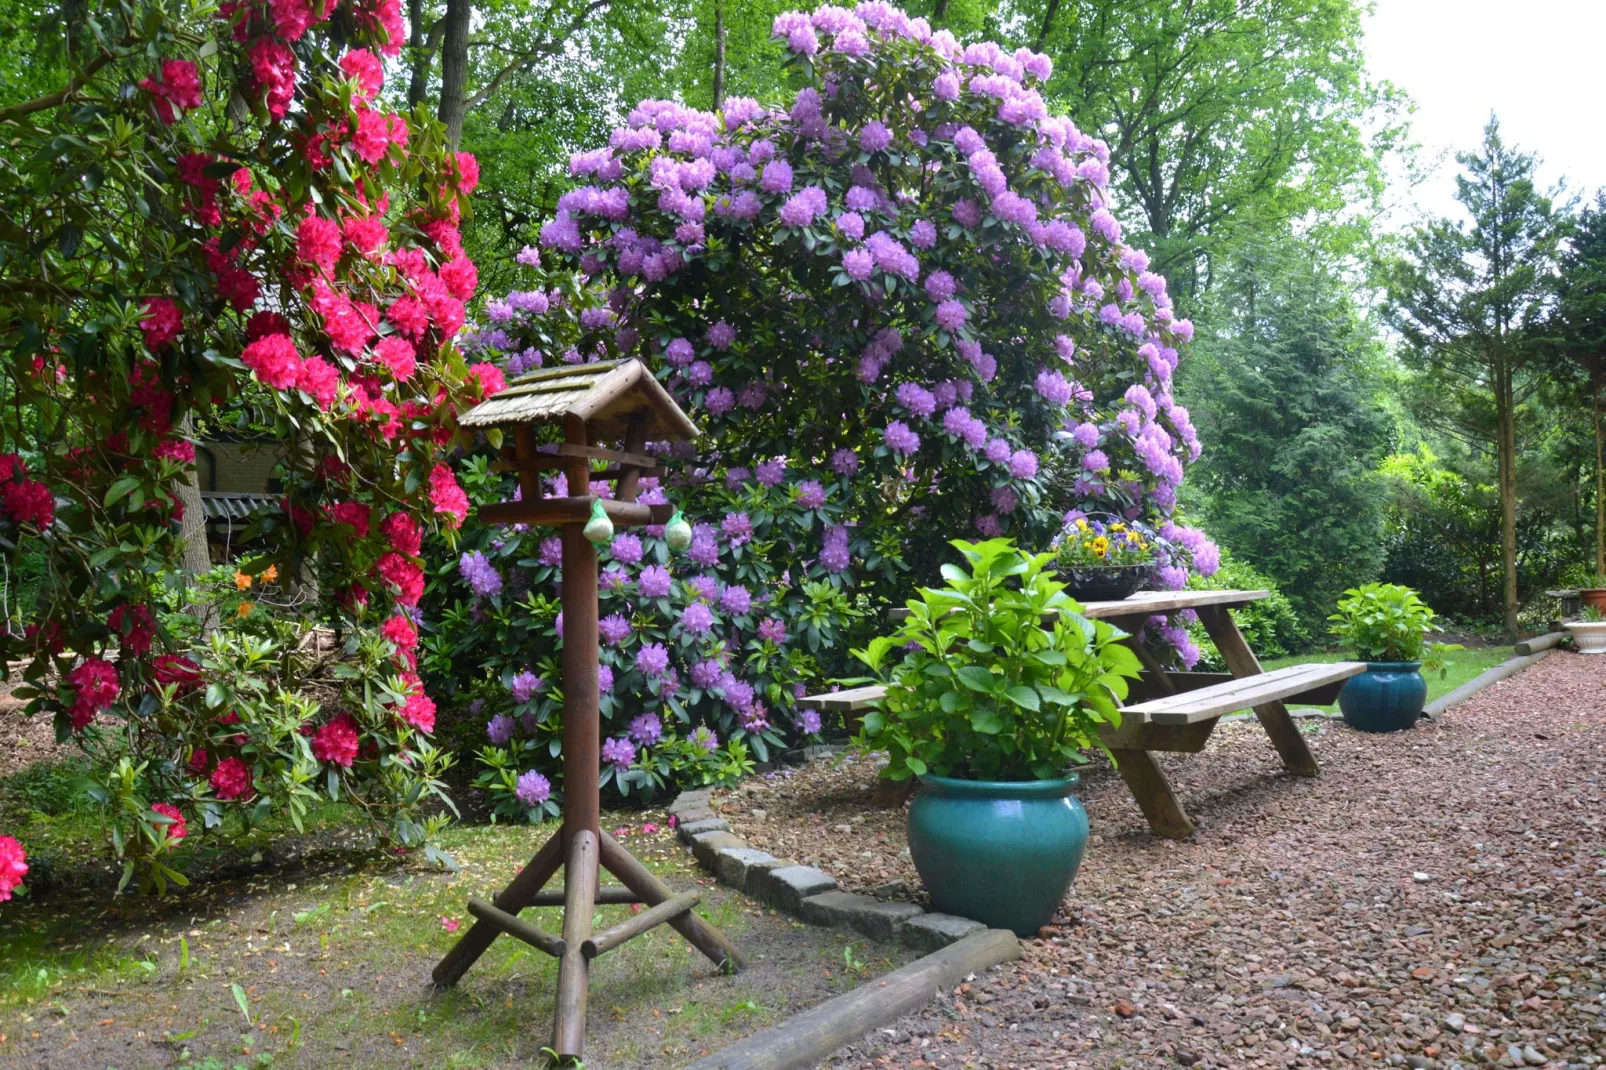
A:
(1169, 711)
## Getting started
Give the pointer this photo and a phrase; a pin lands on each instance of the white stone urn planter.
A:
(1589, 635)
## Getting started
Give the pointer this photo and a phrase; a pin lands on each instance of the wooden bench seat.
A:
(1242, 693)
(1185, 707)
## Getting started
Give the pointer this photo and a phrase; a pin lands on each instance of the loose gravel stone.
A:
(1495, 960)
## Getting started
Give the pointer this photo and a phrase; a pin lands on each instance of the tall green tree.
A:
(1469, 301)
(1226, 119)
(1285, 390)
(1581, 322)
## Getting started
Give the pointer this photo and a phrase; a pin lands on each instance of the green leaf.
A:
(241, 1002)
(120, 489)
(986, 721)
(1024, 697)
(976, 678)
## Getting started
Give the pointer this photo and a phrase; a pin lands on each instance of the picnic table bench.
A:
(1175, 712)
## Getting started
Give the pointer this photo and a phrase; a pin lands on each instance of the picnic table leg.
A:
(1153, 793)
(1273, 716)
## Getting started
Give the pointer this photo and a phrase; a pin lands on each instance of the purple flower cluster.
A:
(533, 789)
(899, 438)
(525, 685)
(619, 752)
(481, 575)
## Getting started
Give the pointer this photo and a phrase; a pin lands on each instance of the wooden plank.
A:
(805, 1039)
(636, 924)
(517, 928)
(1242, 693)
(1219, 697)
(854, 698)
(599, 453)
(1150, 602)
(512, 899)
(1310, 674)
(610, 895)
(1153, 794)
(574, 969)
(1273, 715)
(542, 464)
(641, 880)
(1146, 603)
(556, 512)
(1168, 738)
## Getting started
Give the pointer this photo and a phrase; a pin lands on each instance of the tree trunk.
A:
(1506, 448)
(1600, 492)
(419, 59)
(1047, 23)
(197, 558)
(719, 56)
(938, 11)
(454, 69)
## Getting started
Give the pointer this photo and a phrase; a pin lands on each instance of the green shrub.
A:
(1271, 626)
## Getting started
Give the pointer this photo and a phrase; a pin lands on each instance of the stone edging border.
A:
(805, 891)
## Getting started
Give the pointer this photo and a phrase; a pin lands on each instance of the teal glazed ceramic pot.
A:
(1000, 852)
(1387, 697)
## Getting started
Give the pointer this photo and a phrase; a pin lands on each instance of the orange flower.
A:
(270, 574)
(242, 582)
(245, 609)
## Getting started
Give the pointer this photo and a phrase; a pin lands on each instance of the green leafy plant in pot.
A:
(1387, 626)
(1002, 687)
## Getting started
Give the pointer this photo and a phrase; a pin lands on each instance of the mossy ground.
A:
(317, 952)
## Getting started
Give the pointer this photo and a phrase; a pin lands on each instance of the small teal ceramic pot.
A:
(1387, 697)
(1001, 852)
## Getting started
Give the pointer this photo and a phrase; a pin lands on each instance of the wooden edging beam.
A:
(809, 1037)
(1540, 642)
(634, 926)
(1438, 706)
(517, 928)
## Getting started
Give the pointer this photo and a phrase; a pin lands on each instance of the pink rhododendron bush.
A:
(220, 224)
(902, 309)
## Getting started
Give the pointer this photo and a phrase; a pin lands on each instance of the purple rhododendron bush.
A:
(220, 224)
(900, 307)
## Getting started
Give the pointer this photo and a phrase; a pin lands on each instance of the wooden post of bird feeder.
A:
(609, 401)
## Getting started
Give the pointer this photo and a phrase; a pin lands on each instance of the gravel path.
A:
(1434, 899)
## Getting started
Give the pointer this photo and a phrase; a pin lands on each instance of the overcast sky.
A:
(1538, 64)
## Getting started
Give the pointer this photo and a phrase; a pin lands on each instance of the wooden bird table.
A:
(608, 401)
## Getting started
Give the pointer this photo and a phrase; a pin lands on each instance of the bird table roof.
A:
(608, 395)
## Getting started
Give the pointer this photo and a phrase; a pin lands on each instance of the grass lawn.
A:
(317, 951)
(1463, 665)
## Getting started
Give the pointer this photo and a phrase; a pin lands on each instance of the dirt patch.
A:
(25, 741)
(332, 960)
(1433, 899)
